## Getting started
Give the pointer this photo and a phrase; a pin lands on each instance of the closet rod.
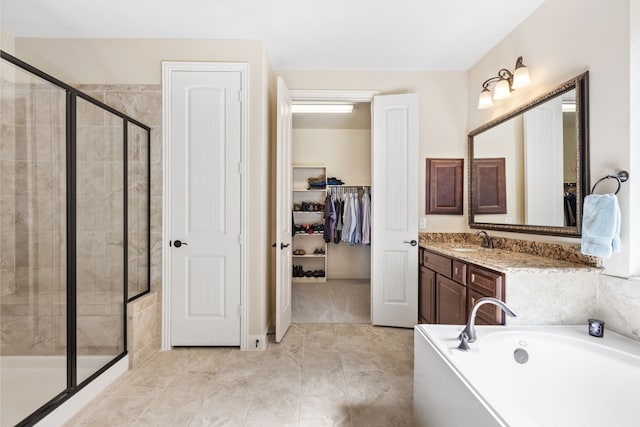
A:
(341, 189)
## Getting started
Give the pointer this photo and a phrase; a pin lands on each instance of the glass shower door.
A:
(33, 234)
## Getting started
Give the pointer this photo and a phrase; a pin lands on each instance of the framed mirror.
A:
(529, 169)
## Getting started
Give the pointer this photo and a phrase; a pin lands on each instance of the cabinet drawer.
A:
(459, 272)
(438, 263)
(487, 282)
(488, 314)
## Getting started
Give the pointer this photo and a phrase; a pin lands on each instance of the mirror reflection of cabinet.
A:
(544, 146)
(489, 186)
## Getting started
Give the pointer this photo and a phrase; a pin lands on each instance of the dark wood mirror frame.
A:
(581, 86)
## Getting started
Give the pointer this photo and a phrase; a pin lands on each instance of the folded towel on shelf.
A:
(601, 225)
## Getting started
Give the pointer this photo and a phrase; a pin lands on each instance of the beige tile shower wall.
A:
(99, 222)
(143, 103)
(138, 188)
(39, 265)
(142, 320)
(33, 218)
(7, 187)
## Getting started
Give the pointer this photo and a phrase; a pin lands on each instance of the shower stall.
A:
(74, 238)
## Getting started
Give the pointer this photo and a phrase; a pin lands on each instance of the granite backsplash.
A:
(560, 252)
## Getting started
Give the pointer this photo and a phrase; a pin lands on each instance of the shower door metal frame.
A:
(71, 310)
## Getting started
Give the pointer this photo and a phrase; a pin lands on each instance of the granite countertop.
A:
(503, 260)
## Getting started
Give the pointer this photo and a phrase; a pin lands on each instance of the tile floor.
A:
(320, 375)
(336, 301)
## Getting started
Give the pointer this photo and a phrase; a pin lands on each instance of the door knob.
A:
(412, 242)
(178, 243)
(283, 245)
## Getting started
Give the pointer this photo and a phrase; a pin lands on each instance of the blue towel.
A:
(601, 225)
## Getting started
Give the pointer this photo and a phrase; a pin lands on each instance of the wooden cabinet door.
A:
(451, 302)
(427, 296)
(444, 186)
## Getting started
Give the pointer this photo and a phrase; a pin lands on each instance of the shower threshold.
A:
(27, 382)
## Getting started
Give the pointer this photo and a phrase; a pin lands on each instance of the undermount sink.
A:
(463, 249)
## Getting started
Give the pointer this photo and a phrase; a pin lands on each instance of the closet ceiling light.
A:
(505, 82)
(322, 108)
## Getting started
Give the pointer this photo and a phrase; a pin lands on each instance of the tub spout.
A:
(468, 334)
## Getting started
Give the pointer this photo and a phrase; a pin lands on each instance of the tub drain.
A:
(520, 355)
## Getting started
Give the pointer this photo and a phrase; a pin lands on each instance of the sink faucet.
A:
(468, 334)
(487, 241)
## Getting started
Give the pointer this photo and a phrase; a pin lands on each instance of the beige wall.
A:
(560, 40)
(138, 62)
(558, 43)
(442, 103)
(8, 44)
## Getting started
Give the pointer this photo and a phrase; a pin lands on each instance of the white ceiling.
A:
(299, 34)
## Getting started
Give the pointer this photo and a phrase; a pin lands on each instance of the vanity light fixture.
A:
(322, 108)
(505, 81)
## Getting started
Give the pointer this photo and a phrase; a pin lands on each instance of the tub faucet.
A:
(487, 241)
(468, 334)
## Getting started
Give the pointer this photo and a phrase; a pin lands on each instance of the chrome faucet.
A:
(468, 334)
(487, 241)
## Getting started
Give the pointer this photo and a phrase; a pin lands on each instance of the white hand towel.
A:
(601, 225)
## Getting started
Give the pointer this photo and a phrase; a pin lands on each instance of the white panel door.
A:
(206, 205)
(394, 211)
(543, 165)
(283, 211)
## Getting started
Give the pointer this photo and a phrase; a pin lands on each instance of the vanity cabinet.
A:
(449, 288)
(427, 296)
(486, 283)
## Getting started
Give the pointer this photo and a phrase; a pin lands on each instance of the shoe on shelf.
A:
(299, 252)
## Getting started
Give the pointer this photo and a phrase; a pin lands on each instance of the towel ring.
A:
(621, 177)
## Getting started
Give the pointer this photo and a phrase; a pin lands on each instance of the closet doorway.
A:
(393, 157)
(331, 280)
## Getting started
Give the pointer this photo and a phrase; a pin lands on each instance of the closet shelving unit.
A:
(309, 243)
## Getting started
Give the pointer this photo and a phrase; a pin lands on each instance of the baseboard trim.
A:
(261, 341)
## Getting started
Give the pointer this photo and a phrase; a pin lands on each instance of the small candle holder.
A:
(596, 328)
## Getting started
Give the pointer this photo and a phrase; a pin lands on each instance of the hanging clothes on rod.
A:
(329, 218)
(352, 206)
(366, 218)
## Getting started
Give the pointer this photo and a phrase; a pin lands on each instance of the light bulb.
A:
(502, 89)
(484, 100)
(521, 78)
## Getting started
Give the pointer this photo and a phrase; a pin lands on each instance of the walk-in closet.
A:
(331, 178)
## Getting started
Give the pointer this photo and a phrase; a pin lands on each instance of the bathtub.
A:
(563, 377)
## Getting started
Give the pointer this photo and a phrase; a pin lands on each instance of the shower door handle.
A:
(178, 243)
